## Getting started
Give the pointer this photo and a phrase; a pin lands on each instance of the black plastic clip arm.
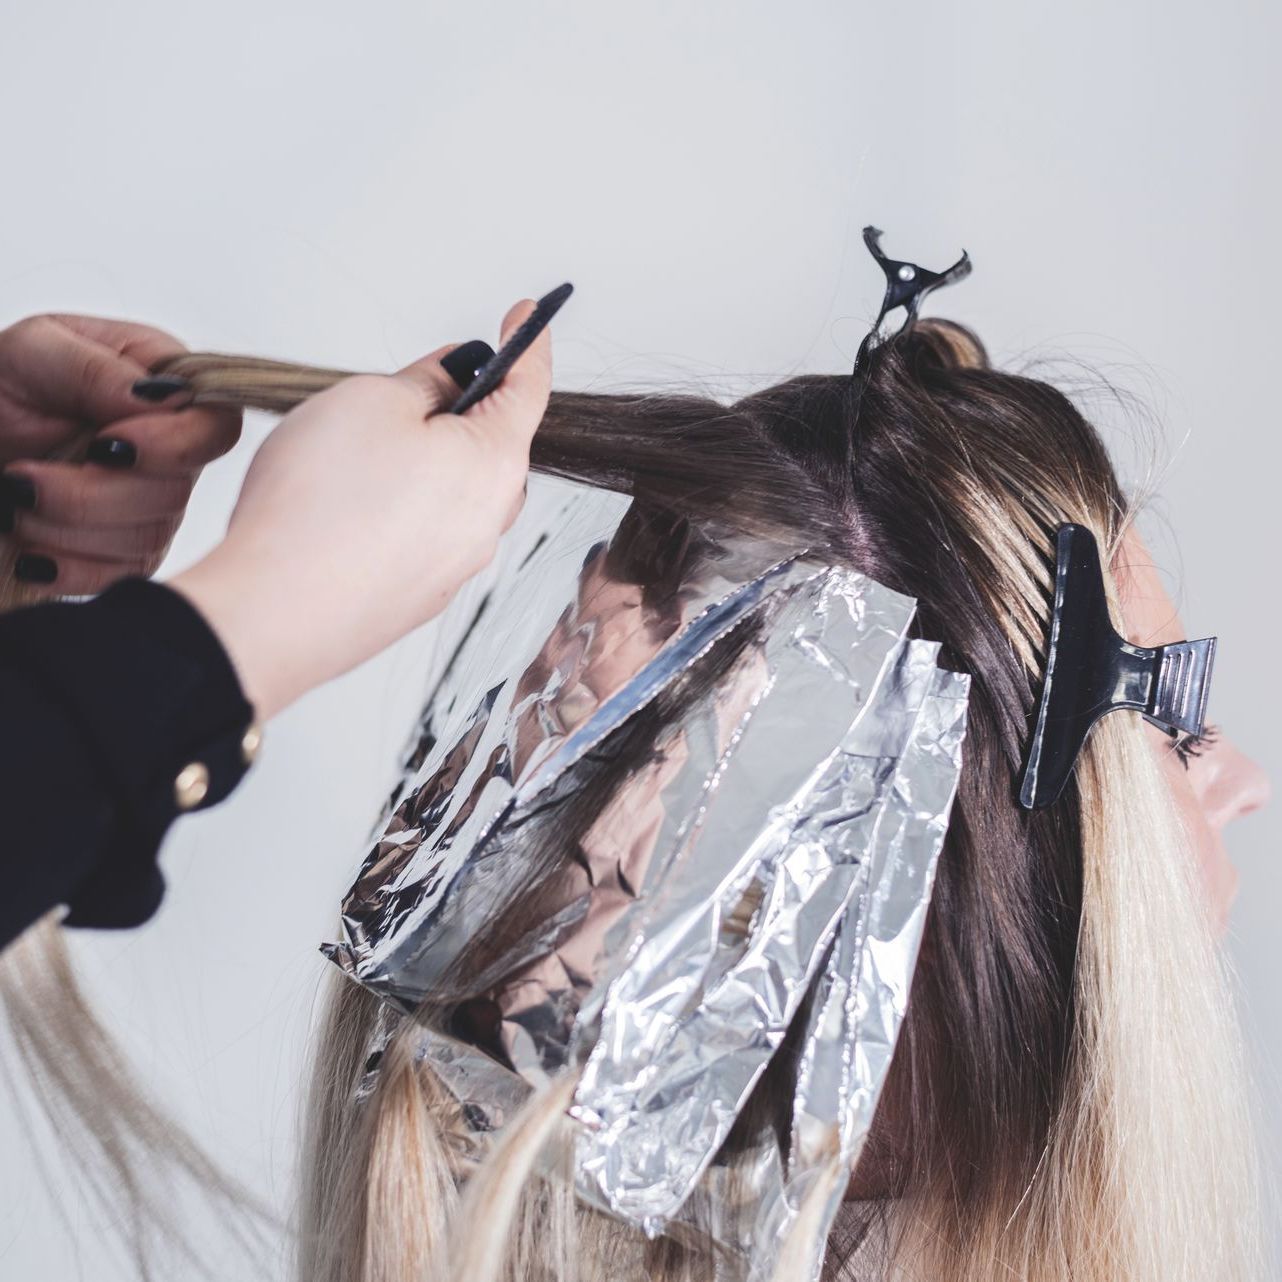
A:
(1091, 671)
(906, 285)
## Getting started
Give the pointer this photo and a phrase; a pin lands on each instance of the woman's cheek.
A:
(1217, 875)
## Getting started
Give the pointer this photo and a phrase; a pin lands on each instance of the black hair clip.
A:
(1090, 671)
(906, 285)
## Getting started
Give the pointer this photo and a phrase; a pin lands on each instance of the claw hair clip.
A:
(906, 285)
(1091, 671)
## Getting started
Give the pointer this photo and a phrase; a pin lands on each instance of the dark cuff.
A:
(163, 716)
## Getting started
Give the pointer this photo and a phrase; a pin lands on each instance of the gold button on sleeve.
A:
(251, 742)
(191, 786)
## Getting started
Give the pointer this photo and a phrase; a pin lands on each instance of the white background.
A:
(356, 183)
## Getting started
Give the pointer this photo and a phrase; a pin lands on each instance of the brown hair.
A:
(1017, 1134)
(1063, 1101)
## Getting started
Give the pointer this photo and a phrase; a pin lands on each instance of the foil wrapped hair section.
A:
(536, 686)
(681, 840)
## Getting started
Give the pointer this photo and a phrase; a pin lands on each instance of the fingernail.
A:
(110, 451)
(6, 519)
(465, 360)
(17, 491)
(30, 567)
(159, 387)
(518, 343)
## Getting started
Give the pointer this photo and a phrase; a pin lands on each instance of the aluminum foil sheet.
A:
(716, 929)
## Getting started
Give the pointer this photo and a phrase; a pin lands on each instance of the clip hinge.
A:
(906, 285)
(1181, 685)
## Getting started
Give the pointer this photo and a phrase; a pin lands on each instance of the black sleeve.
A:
(115, 716)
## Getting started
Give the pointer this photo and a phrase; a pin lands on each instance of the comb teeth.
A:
(1183, 682)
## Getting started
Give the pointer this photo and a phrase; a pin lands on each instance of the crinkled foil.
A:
(741, 915)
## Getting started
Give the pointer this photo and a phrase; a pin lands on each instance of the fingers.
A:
(77, 528)
(144, 344)
(518, 404)
(429, 376)
(57, 574)
(142, 543)
(167, 444)
(90, 495)
(57, 368)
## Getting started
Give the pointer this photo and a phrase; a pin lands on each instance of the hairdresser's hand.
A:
(362, 515)
(67, 383)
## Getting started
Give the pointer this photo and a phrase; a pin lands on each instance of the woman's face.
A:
(1213, 783)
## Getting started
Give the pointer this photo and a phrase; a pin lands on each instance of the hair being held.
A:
(1065, 1099)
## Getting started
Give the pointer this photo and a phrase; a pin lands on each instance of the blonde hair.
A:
(133, 1162)
(1146, 1169)
(1134, 1159)
(1148, 1172)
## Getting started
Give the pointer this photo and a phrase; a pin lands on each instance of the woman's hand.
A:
(82, 522)
(361, 516)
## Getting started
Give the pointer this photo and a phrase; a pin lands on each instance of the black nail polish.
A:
(109, 451)
(159, 387)
(465, 360)
(493, 372)
(30, 567)
(17, 491)
(6, 518)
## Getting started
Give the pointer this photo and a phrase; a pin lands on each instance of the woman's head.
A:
(1212, 782)
(1058, 1103)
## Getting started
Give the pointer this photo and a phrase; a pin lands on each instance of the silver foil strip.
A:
(862, 995)
(763, 874)
(700, 1006)
(558, 681)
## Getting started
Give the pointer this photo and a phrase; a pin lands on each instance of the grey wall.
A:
(358, 183)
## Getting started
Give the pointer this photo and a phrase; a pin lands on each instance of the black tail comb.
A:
(490, 374)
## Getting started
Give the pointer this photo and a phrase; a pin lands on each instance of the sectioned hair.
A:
(1065, 1099)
